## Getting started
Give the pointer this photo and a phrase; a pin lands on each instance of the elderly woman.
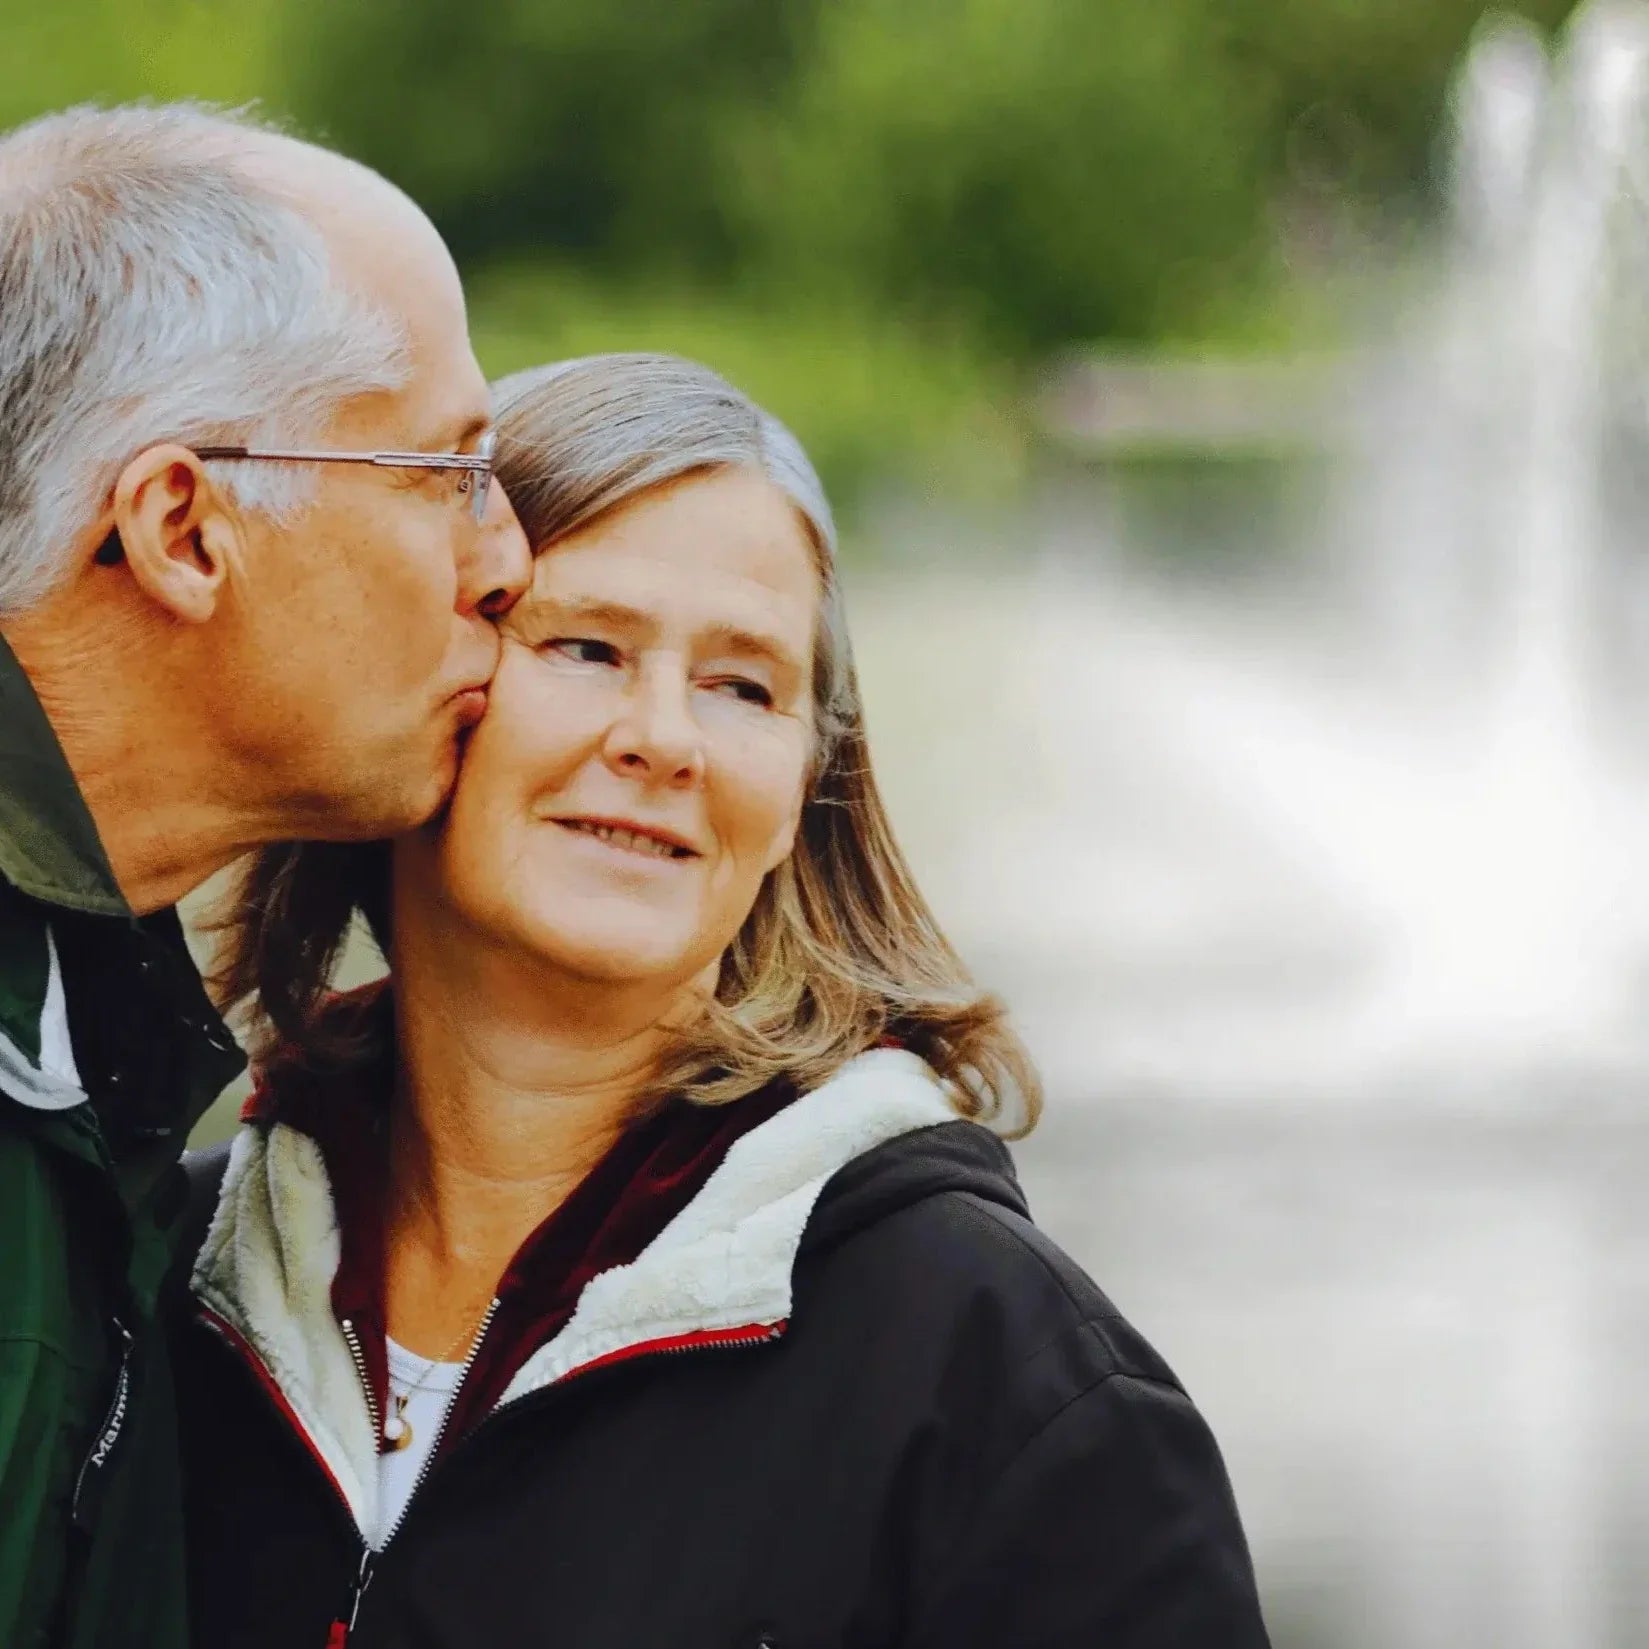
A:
(637, 1265)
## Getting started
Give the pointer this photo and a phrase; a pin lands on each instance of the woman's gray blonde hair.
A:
(579, 438)
(840, 952)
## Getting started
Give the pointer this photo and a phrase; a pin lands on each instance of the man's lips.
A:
(471, 704)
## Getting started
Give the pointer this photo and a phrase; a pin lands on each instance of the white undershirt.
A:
(56, 1050)
(426, 1409)
(51, 1082)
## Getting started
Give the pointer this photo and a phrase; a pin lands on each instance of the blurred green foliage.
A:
(857, 385)
(875, 213)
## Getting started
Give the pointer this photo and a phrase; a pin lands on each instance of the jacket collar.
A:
(49, 845)
(50, 851)
(720, 1269)
(173, 1052)
(651, 1172)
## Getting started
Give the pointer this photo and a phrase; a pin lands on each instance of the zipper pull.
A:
(338, 1636)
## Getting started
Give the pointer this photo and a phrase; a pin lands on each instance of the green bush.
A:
(592, 129)
(1042, 169)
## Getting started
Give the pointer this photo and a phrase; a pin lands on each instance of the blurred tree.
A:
(592, 129)
(1028, 170)
(897, 202)
(1357, 87)
(1040, 169)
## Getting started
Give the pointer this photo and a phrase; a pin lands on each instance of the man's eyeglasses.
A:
(475, 468)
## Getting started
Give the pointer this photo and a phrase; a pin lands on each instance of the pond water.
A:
(1301, 811)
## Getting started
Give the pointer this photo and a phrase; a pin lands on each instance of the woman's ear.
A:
(173, 531)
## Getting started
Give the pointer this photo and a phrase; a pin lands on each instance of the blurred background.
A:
(1239, 412)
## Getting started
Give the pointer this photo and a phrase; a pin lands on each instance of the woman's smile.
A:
(630, 840)
(641, 769)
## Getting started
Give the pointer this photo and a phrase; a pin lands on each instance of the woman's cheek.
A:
(764, 792)
(544, 714)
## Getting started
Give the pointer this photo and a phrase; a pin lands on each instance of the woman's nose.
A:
(656, 737)
(498, 569)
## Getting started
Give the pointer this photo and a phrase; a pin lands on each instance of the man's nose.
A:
(495, 573)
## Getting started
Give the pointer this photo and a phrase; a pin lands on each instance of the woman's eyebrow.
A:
(539, 615)
(593, 610)
(734, 638)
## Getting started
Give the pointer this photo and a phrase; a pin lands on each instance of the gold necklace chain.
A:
(397, 1428)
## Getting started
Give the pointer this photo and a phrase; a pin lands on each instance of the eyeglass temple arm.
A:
(386, 460)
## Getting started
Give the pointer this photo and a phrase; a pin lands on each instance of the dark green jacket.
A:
(90, 1193)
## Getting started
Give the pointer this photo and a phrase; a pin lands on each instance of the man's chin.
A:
(420, 805)
(403, 790)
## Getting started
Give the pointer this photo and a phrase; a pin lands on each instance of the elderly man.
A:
(248, 558)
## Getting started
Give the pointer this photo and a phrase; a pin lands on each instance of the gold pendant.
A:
(397, 1428)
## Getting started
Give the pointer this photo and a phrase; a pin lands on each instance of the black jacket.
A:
(952, 1439)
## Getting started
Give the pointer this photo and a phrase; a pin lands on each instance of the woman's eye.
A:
(739, 687)
(582, 650)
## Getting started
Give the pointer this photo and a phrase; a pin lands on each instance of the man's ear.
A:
(176, 531)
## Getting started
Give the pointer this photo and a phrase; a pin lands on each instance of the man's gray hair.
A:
(581, 437)
(152, 290)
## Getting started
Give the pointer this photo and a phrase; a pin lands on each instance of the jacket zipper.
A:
(684, 1345)
(342, 1628)
(353, 1341)
(369, 1553)
(114, 1421)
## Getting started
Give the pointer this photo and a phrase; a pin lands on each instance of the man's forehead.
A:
(430, 411)
(362, 214)
(384, 249)
(382, 246)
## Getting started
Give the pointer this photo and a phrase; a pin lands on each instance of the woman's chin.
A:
(623, 961)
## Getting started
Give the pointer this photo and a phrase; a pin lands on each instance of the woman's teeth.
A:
(631, 840)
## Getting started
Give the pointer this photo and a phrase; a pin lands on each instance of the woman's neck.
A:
(510, 1091)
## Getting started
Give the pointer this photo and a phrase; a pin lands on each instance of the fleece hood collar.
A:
(951, 1156)
(721, 1268)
